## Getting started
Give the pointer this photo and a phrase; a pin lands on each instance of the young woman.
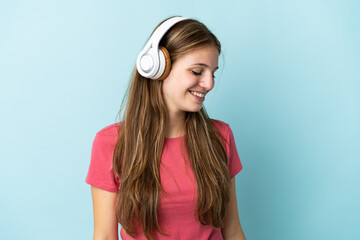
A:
(167, 171)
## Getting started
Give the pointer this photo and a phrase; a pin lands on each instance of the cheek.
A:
(170, 90)
(190, 81)
(179, 86)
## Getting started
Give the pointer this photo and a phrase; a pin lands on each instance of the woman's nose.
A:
(207, 82)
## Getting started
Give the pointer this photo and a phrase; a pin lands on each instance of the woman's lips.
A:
(200, 96)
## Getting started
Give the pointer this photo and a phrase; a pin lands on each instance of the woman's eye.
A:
(196, 73)
(199, 73)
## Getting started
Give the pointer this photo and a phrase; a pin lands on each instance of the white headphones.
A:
(154, 62)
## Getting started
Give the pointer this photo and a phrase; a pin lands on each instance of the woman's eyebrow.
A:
(204, 65)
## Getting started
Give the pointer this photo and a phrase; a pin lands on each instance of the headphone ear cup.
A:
(167, 63)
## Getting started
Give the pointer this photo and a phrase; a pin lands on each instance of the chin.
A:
(194, 109)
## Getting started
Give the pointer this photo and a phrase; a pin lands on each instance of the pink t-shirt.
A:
(177, 207)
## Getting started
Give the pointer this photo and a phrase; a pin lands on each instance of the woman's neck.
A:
(175, 125)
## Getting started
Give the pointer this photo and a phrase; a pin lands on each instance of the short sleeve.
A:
(100, 173)
(234, 163)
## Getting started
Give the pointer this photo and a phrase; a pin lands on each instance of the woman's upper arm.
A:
(232, 228)
(105, 223)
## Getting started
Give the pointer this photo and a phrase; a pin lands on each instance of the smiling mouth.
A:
(197, 94)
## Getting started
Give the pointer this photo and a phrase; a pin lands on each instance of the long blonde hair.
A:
(138, 150)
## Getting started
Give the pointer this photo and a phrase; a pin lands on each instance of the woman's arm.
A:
(232, 229)
(105, 223)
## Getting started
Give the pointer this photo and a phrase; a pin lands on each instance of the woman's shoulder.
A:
(110, 130)
(108, 134)
(221, 126)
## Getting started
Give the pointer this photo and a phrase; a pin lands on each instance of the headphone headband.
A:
(162, 29)
(150, 61)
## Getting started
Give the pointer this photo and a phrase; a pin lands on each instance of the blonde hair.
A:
(138, 150)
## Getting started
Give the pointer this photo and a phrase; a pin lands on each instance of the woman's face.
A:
(190, 78)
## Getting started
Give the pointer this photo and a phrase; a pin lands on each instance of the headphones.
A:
(153, 61)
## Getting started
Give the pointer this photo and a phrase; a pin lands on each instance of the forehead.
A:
(207, 55)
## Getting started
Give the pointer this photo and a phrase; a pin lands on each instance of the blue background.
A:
(288, 86)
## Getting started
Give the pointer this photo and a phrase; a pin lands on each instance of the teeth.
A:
(198, 94)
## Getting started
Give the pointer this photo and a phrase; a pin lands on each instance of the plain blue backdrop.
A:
(288, 85)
